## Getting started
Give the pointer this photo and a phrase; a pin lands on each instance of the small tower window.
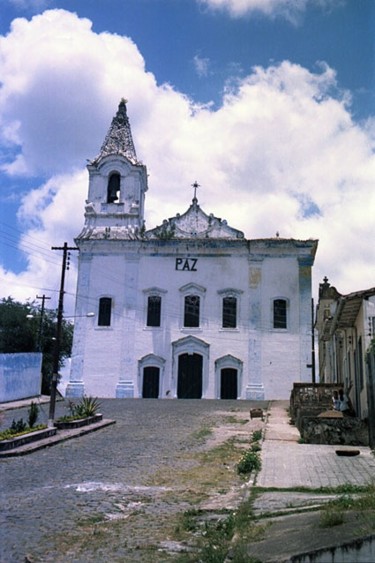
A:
(113, 191)
(105, 306)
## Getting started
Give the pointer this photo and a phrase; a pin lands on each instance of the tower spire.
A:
(119, 138)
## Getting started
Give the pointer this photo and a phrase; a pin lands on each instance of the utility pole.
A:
(40, 333)
(313, 342)
(60, 310)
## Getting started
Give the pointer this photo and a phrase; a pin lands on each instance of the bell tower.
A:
(117, 185)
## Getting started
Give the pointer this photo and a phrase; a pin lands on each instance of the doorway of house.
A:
(150, 388)
(228, 383)
(189, 383)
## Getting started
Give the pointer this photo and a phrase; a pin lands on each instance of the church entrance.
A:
(150, 388)
(189, 383)
(228, 383)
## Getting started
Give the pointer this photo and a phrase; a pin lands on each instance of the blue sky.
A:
(268, 103)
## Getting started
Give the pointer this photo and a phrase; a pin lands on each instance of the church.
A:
(190, 309)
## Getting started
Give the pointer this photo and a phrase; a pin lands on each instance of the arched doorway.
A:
(150, 387)
(189, 382)
(228, 377)
(228, 383)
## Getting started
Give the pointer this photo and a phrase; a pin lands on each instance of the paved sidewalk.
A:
(286, 463)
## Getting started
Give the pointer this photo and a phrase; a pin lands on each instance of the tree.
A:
(18, 333)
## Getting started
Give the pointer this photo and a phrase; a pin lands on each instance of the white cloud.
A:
(291, 10)
(282, 153)
(34, 5)
(202, 65)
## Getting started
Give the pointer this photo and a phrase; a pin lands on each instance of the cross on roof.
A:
(195, 186)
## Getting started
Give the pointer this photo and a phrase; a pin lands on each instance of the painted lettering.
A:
(186, 264)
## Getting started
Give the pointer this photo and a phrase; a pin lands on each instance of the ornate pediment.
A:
(194, 224)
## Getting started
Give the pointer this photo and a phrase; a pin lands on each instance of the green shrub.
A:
(255, 447)
(33, 413)
(256, 436)
(88, 406)
(18, 425)
(331, 517)
(249, 462)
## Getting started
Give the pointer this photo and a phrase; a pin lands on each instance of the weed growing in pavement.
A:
(255, 447)
(188, 521)
(228, 533)
(249, 462)
(202, 434)
(256, 436)
(330, 517)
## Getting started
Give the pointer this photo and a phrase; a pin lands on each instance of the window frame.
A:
(192, 290)
(105, 306)
(285, 314)
(154, 292)
(153, 313)
(233, 294)
(195, 314)
(114, 200)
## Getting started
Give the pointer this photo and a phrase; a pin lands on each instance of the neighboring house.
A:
(189, 309)
(20, 376)
(345, 326)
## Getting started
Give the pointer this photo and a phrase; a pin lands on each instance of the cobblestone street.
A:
(115, 494)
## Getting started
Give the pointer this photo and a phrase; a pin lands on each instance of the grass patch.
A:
(91, 520)
(9, 434)
(331, 517)
(341, 489)
(214, 539)
(202, 434)
(235, 420)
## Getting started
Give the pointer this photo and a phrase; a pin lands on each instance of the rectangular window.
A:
(191, 313)
(279, 313)
(229, 312)
(153, 310)
(105, 307)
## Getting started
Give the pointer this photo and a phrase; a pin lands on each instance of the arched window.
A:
(279, 313)
(113, 190)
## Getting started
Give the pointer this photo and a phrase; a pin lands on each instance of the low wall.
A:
(343, 431)
(20, 376)
(316, 396)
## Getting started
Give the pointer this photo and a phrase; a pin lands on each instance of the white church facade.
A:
(189, 309)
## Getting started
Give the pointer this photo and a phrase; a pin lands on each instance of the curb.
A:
(60, 436)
